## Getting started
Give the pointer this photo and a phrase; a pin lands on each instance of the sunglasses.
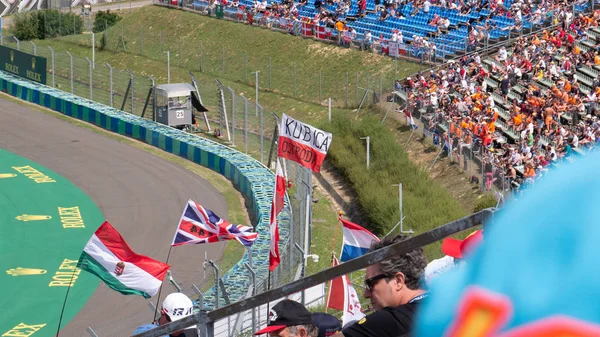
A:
(371, 282)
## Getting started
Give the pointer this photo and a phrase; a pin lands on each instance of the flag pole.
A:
(329, 283)
(268, 288)
(160, 289)
(66, 296)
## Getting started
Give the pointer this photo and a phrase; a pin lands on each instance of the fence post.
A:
(380, 87)
(294, 79)
(91, 79)
(132, 95)
(347, 87)
(168, 66)
(245, 67)
(110, 69)
(329, 110)
(34, 48)
(245, 123)
(52, 60)
(142, 41)
(320, 84)
(18, 43)
(262, 133)
(71, 72)
(232, 116)
(357, 88)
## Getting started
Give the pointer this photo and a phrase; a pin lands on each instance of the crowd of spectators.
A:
(524, 109)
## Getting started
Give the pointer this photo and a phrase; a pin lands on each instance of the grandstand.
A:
(522, 112)
(469, 27)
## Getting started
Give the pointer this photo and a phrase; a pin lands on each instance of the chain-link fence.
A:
(308, 81)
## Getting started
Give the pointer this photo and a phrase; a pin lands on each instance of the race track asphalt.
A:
(140, 194)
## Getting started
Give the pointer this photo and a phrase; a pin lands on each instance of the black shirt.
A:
(387, 322)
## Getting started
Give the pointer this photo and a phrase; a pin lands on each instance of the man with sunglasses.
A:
(394, 288)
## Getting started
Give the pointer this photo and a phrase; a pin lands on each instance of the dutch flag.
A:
(357, 240)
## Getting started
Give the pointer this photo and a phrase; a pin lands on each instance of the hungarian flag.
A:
(276, 207)
(302, 143)
(201, 225)
(109, 257)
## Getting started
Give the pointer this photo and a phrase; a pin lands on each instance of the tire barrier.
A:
(253, 179)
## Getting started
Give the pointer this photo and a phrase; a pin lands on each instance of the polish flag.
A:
(343, 297)
(276, 207)
(303, 143)
(335, 295)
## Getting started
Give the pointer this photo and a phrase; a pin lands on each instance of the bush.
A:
(105, 20)
(485, 201)
(46, 24)
(426, 205)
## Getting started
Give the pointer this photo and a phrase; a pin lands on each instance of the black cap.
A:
(286, 313)
(328, 324)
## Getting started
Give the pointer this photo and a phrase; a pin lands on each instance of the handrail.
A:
(208, 318)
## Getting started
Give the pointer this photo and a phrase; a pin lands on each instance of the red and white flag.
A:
(303, 143)
(342, 296)
(276, 207)
(335, 295)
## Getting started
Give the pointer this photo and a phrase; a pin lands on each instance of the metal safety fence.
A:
(207, 322)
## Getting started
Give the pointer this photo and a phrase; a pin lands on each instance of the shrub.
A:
(426, 204)
(485, 201)
(105, 20)
(46, 24)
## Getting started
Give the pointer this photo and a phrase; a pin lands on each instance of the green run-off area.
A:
(45, 221)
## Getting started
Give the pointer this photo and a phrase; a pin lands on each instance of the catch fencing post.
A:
(94, 50)
(329, 104)
(91, 77)
(368, 139)
(110, 72)
(18, 43)
(245, 123)
(34, 48)
(320, 84)
(132, 95)
(71, 72)
(52, 60)
(168, 66)
(347, 88)
(232, 116)
(256, 93)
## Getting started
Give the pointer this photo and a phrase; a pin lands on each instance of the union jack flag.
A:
(201, 225)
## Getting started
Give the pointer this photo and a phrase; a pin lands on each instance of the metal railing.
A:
(205, 321)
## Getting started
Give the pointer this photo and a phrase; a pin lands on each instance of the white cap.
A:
(177, 306)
